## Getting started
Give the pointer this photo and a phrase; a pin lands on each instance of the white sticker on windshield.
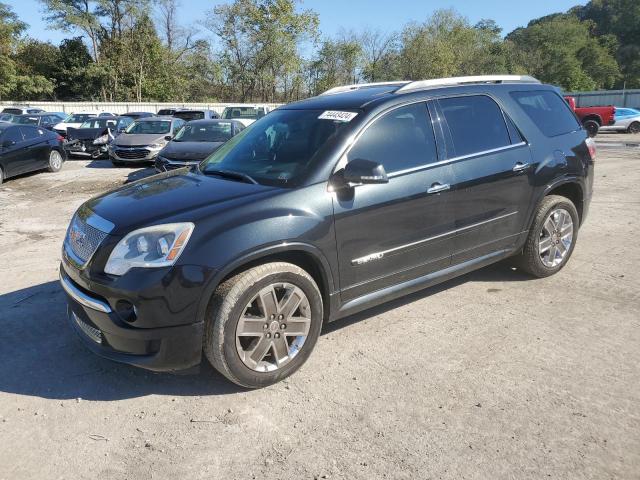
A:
(338, 116)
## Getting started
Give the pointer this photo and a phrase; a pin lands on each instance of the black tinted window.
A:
(548, 111)
(476, 124)
(29, 133)
(12, 135)
(401, 139)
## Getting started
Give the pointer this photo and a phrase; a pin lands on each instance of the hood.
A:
(64, 126)
(128, 140)
(178, 195)
(85, 133)
(189, 150)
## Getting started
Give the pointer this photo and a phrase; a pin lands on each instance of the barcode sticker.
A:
(338, 116)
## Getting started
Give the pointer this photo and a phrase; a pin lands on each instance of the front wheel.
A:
(634, 127)
(262, 324)
(552, 237)
(592, 127)
(55, 161)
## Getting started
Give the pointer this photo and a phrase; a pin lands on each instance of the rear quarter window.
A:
(548, 111)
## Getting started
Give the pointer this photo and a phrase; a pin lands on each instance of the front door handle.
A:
(438, 187)
(519, 167)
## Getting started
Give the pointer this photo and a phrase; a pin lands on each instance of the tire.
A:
(535, 258)
(238, 297)
(592, 127)
(1, 175)
(55, 161)
(634, 127)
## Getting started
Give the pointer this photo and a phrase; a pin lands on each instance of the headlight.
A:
(155, 146)
(104, 139)
(151, 247)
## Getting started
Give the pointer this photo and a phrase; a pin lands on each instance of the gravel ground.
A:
(490, 376)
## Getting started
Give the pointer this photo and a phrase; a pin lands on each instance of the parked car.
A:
(626, 120)
(593, 118)
(76, 119)
(194, 114)
(93, 137)
(45, 120)
(8, 117)
(136, 115)
(323, 208)
(196, 141)
(167, 111)
(22, 110)
(143, 139)
(247, 114)
(26, 148)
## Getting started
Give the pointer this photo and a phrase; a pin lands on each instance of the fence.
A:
(618, 98)
(121, 107)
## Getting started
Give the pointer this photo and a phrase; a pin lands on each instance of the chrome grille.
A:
(132, 154)
(83, 239)
(91, 332)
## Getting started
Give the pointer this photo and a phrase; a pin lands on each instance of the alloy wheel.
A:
(55, 160)
(273, 327)
(556, 237)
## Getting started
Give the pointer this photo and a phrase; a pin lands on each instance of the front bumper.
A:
(105, 333)
(133, 155)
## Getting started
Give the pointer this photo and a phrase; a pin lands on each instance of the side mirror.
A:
(168, 138)
(8, 143)
(361, 171)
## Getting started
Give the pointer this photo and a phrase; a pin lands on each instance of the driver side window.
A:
(12, 135)
(401, 139)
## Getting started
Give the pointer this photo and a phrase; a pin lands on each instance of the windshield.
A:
(27, 120)
(99, 123)
(205, 132)
(153, 127)
(249, 113)
(279, 149)
(188, 116)
(78, 118)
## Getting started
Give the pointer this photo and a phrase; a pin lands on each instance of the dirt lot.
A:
(492, 375)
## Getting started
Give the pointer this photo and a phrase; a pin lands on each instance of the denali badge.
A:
(368, 258)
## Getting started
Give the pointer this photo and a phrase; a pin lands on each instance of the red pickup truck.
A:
(593, 118)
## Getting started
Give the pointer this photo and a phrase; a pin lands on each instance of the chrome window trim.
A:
(81, 297)
(379, 255)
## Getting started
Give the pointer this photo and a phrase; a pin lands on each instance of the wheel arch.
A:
(571, 189)
(592, 116)
(305, 256)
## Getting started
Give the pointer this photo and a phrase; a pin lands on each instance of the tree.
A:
(260, 46)
(336, 64)
(560, 49)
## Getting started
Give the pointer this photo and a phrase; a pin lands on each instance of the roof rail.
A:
(358, 86)
(438, 82)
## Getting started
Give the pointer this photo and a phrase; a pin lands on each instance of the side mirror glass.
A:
(361, 171)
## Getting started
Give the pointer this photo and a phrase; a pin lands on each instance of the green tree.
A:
(560, 49)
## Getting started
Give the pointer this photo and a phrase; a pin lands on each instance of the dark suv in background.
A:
(321, 209)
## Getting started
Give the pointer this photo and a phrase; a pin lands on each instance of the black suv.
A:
(323, 208)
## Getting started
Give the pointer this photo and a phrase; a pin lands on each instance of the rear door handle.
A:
(519, 167)
(438, 187)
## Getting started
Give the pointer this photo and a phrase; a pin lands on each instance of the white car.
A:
(627, 120)
(245, 114)
(78, 118)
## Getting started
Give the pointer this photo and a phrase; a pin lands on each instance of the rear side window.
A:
(12, 135)
(548, 111)
(29, 133)
(476, 124)
(400, 139)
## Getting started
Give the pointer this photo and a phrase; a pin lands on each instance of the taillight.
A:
(591, 145)
(60, 138)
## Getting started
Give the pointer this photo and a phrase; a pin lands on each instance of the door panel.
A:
(491, 201)
(393, 232)
(390, 233)
(37, 147)
(15, 159)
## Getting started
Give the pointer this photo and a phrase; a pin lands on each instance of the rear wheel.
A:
(1, 175)
(55, 161)
(263, 323)
(552, 237)
(634, 127)
(592, 127)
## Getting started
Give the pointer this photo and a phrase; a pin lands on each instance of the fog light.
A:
(126, 310)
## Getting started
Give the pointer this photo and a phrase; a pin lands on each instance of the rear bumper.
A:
(106, 334)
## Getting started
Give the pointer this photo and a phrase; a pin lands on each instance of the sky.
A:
(350, 14)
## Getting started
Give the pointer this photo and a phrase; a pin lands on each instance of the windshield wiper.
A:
(231, 174)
